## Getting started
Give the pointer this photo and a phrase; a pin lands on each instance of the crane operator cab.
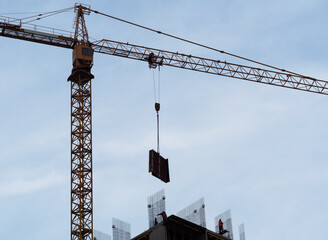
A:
(82, 56)
(82, 64)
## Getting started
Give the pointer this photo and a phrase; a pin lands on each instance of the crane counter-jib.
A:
(46, 37)
(43, 34)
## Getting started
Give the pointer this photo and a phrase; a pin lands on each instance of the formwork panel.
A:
(194, 213)
(227, 223)
(156, 205)
(121, 230)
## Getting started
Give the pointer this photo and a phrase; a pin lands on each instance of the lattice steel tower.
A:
(81, 132)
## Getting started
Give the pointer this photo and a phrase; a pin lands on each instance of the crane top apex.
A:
(82, 52)
(86, 9)
(81, 33)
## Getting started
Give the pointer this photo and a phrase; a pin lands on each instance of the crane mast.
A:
(81, 133)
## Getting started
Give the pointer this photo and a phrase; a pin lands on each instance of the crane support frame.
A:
(81, 156)
(81, 133)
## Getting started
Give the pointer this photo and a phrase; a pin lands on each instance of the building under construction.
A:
(176, 228)
(187, 224)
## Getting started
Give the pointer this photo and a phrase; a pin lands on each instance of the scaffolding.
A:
(156, 205)
(195, 213)
(97, 235)
(241, 232)
(121, 230)
(227, 223)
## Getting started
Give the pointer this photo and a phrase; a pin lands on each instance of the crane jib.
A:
(167, 58)
(223, 68)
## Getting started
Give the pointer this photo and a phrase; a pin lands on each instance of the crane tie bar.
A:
(197, 44)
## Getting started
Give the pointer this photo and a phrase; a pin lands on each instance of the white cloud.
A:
(18, 184)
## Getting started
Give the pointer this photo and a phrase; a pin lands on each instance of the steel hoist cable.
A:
(157, 101)
(44, 15)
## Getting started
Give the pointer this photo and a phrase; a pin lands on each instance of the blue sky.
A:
(255, 149)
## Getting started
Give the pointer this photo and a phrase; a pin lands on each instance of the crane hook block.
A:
(154, 60)
(159, 166)
(157, 107)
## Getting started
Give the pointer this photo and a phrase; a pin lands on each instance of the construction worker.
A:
(220, 227)
(163, 214)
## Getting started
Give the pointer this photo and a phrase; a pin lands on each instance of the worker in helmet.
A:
(163, 214)
(220, 227)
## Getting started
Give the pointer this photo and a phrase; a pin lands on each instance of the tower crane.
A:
(80, 80)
